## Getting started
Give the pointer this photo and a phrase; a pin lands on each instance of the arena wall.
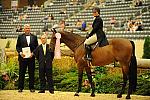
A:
(21, 3)
(138, 44)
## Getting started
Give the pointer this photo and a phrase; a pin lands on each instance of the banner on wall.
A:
(14, 4)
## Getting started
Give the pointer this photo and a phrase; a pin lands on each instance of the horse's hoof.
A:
(119, 96)
(76, 94)
(128, 97)
(92, 95)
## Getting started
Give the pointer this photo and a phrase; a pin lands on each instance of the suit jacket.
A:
(98, 30)
(22, 42)
(39, 54)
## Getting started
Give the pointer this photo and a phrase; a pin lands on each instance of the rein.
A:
(78, 46)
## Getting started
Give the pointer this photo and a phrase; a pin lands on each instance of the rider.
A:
(97, 34)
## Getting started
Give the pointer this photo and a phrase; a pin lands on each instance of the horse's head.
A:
(70, 39)
(57, 28)
(54, 31)
(67, 36)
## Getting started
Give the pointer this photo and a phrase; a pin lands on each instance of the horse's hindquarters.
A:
(122, 50)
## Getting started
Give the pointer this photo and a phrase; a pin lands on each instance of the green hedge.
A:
(11, 69)
(105, 83)
(68, 80)
(146, 53)
(143, 86)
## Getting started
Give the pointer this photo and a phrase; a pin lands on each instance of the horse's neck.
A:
(53, 42)
(73, 41)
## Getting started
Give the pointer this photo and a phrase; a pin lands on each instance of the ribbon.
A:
(57, 46)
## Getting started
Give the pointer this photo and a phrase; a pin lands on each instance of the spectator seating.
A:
(9, 18)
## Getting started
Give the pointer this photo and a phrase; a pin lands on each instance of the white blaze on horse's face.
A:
(55, 26)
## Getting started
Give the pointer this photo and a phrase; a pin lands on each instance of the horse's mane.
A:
(72, 40)
(75, 35)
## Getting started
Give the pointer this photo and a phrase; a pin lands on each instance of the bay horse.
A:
(121, 50)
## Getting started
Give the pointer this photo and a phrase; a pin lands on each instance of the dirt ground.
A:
(27, 95)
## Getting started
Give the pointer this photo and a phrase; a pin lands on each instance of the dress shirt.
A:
(28, 39)
(44, 48)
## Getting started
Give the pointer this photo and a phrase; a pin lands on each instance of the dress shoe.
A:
(32, 90)
(20, 90)
(41, 91)
(52, 92)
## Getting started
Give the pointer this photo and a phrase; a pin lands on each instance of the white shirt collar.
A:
(28, 39)
(44, 44)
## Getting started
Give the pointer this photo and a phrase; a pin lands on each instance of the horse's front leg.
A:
(80, 76)
(89, 75)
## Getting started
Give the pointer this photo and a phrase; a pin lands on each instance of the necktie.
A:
(44, 49)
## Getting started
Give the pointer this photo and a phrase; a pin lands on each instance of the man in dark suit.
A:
(26, 40)
(45, 57)
(97, 34)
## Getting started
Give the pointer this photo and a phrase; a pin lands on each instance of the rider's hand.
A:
(87, 36)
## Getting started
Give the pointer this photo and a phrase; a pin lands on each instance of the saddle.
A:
(99, 43)
(90, 48)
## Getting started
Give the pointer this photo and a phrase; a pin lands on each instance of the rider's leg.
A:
(88, 48)
(88, 52)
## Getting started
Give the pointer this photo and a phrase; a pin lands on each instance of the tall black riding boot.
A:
(88, 55)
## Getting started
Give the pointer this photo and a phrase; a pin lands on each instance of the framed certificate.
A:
(26, 51)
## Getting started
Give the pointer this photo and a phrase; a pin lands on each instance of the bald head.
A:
(43, 39)
(26, 25)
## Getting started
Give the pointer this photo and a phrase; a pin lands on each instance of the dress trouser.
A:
(45, 74)
(30, 63)
(91, 40)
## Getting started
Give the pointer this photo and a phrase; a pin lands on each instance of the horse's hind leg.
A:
(89, 75)
(129, 92)
(80, 75)
(123, 86)
(125, 78)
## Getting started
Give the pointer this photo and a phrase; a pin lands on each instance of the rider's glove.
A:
(87, 36)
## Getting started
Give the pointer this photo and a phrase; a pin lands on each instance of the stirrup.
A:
(88, 58)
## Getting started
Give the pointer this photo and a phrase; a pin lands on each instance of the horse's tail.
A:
(133, 69)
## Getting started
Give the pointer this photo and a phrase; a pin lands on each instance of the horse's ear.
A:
(53, 30)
